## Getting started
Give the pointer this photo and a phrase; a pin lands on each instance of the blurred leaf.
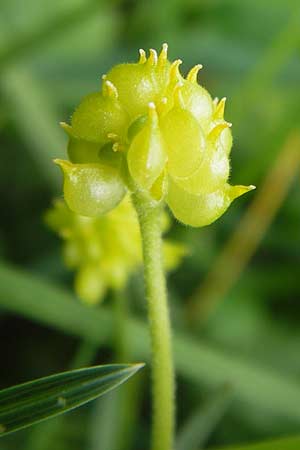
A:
(198, 362)
(36, 35)
(202, 423)
(292, 443)
(84, 355)
(36, 118)
(104, 427)
(28, 403)
(116, 418)
(270, 63)
(250, 231)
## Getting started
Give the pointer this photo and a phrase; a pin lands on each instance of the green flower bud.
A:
(157, 133)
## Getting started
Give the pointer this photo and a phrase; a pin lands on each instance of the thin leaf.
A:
(200, 425)
(28, 403)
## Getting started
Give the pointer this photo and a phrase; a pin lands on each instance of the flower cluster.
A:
(152, 131)
(104, 250)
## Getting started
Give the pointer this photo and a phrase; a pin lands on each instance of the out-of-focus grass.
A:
(278, 444)
(196, 361)
(251, 229)
(51, 54)
(33, 113)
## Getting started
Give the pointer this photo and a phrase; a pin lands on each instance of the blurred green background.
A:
(241, 329)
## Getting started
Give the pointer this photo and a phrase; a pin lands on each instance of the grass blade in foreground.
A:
(28, 403)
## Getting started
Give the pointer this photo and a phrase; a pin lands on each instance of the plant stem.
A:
(162, 362)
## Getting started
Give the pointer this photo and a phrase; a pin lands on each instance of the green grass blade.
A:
(28, 403)
(202, 423)
(290, 443)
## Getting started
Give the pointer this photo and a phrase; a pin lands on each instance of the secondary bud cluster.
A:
(104, 251)
(151, 131)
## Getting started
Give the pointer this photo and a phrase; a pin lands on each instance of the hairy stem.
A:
(159, 322)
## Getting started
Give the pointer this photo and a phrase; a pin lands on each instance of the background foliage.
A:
(241, 328)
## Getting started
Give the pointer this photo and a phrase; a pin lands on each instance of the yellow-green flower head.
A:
(103, 250)
(152, 131)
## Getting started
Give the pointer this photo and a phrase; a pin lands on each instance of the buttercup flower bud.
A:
(151, 131)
